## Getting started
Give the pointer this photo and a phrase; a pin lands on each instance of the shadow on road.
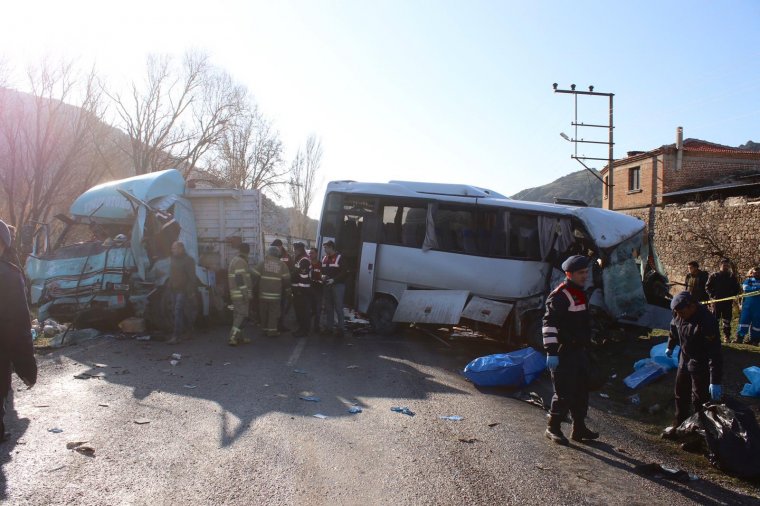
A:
(270, 375)
(701, 491)
(17, 427)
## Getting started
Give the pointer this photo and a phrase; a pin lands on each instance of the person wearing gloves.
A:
(566, 331)
(700, 364)
(16, 346)
(333, 273)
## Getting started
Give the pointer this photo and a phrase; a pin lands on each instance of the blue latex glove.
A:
(552, 362)
(716, 392)
(669, 353)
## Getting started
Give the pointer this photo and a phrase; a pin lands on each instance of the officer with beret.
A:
(16, 347)
(566, 331)
(700, 365)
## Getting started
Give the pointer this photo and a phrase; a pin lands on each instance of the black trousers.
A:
(302, 307)
(316, 305)
(724, 312)
(570, 382)
(5, 385)
(692, 390)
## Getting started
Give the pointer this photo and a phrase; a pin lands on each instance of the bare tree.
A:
(249, 154)
(178, 113)
(48, 139)
(304, 180)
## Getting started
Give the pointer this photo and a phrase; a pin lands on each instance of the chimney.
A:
(679, 148)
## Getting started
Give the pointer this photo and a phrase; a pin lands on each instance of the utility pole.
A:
(575, 140)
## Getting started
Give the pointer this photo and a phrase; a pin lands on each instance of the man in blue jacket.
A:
(749, 319)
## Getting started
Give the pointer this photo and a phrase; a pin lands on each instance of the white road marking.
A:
(296, 352)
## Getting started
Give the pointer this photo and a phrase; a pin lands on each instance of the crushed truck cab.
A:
(111, 258)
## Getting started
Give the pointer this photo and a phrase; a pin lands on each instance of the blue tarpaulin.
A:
(752, 389)
(516, 369)
(647, 370)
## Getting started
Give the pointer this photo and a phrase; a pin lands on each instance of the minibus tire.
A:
(381, 316)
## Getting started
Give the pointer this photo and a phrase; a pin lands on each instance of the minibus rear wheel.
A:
(381, 316)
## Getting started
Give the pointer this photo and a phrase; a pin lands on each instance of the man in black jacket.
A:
(567, 334)
(16, 347)
(720, 285)
(695, 282)
(700, 364)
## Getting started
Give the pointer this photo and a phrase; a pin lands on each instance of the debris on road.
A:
(659, 471)
(55, 430)
(103, 405)
(142, 421)
(517, 368)
(404, 410)
(453, 418)
(42, 405)
(85, 450)
(352, 367)
(74, 444)
(174, 362)
(227, 363)
(532, 398)
(494, 424)
(144, 337)
(190, 386)
(354, 410)
(309, 398)
(635, 399)
(650, 369)
(299, 371)
(176, 356)
(470, 440)
(99, 366)
(320, 416)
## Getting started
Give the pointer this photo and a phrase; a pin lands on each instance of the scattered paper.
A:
(320, 416)
(142, 421)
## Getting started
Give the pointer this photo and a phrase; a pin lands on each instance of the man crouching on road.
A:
(695, 329)
(567, 335)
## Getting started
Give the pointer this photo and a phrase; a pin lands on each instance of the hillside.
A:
(579, 185)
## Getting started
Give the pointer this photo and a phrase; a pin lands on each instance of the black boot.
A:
(554, 431)
(581, 432)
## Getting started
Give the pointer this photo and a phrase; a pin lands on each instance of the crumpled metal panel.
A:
(487, 311)
(431, 306)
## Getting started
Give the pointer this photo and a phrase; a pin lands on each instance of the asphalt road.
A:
(226, 426)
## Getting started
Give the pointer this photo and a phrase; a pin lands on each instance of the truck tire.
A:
(161, 310)
(381, 316)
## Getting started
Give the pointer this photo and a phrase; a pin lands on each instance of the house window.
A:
(634, 179)
(606, 187)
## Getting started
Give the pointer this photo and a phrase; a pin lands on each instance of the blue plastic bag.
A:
(645, 375)
(515, 369)
(752, 389)
(657, 353)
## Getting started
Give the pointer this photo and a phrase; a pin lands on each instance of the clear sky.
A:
(438, 90)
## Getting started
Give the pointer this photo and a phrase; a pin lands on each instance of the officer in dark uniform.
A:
(721, 285)
(16, 347)
(700, 365)
(567, 335)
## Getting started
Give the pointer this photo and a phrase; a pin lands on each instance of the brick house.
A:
(690, 169)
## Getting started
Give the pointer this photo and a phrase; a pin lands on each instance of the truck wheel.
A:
(162, 310)
(381, 316)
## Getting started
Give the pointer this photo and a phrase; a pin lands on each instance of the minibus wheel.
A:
(381, 316)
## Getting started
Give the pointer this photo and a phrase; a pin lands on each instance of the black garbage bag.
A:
(732, 436)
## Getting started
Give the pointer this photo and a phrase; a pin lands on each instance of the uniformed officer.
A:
(567, 334)
(241, 292)
(16, 347)
(271, 279)
(700, 365)
(302, 290)
(722, 285)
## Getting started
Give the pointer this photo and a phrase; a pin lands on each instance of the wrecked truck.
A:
(429, 253)
(111, 256)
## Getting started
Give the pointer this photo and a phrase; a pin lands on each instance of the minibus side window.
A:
(523, 236)
(404, 225)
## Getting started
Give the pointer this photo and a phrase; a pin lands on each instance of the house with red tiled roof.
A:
(688, 170)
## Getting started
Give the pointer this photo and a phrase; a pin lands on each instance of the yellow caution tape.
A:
(735, 297)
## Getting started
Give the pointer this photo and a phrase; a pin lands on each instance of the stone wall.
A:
(705, 232)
